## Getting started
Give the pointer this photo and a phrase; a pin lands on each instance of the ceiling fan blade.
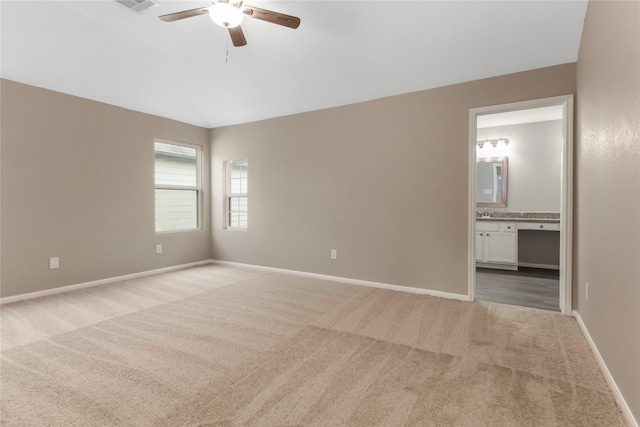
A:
(184, 14)
(271, 16)
(237, 36)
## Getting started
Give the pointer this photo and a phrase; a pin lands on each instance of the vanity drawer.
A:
(509, 227)
(487, 226)
(539, 226)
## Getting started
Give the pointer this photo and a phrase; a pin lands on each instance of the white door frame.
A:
(566, 204)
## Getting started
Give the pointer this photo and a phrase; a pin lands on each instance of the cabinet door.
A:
(500, 247)
(480, 246)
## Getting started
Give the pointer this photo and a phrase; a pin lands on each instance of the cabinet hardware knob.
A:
(541, 226)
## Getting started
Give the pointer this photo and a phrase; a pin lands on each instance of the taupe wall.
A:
(384, 182)
(535, 164)
(607, 238)
(78, 183)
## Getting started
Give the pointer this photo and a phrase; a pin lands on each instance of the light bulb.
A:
(225, 15)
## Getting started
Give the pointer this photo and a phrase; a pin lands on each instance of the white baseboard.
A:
(544, 266)
(626, 411)
(68, 288)
(347, 280)
(496, 266)
(400, 288)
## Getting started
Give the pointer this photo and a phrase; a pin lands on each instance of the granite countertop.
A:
(546, 217)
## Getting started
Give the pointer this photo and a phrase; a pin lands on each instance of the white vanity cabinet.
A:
(496, 245)
(542, 226)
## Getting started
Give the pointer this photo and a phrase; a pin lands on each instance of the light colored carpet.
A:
(220, 346)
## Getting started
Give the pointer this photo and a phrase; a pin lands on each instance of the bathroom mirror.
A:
(491, 182)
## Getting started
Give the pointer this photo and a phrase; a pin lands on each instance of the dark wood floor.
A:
(528, 287)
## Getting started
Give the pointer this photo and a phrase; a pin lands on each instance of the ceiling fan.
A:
(229, 14)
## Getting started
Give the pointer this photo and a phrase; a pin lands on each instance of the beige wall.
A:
(607, 238)
(385, 182)
(78, 183)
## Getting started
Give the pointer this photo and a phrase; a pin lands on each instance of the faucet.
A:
(486, 214)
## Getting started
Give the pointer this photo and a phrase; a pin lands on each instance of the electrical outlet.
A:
(334, 254)
(586, 292)
(158, 249)
(54, 263)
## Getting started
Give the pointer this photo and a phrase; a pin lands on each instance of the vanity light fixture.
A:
(493, 142)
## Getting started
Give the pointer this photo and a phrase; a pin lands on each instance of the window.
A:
(236, 198)
(178, 191)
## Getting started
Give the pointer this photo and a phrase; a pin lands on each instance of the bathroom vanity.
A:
(508, 239)
(499, 237)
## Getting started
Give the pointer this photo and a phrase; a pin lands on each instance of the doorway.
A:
(533, 208)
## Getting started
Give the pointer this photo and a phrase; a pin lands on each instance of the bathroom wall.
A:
(540, 249)
(535, 164)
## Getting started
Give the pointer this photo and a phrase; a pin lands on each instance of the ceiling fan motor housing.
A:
(226, 14)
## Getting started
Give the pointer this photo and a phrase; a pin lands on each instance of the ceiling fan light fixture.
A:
(226, 15)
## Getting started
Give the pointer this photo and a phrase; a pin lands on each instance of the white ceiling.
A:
(343, 52)
(531, 115)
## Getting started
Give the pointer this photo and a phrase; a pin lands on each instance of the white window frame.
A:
(228, 194)
(197, 188)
